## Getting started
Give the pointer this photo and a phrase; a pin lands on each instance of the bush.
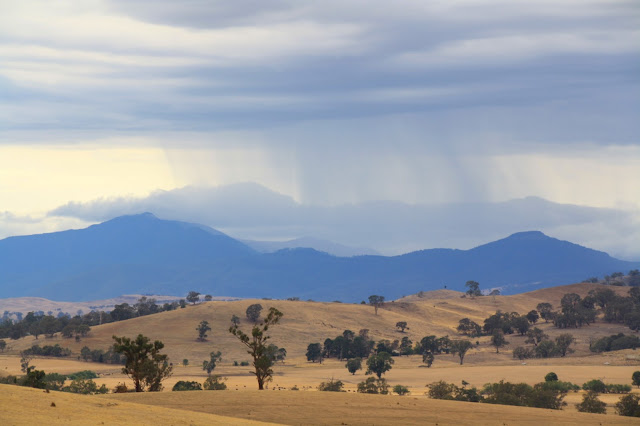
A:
(401, 390)
(331, 386)
(85, 387)
(550, 377)
(215, 383)
(591, 404)
(373, 385)
(560, 386)
(628, 405)
(184, 385)
(522, 352)
(542, 395)
(120, 388)
(614, 388)
(9, 380)
(244, 363)
(85, 374)
(441, 390)
(55, 381)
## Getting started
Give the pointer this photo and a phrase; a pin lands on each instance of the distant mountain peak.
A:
(528, 235)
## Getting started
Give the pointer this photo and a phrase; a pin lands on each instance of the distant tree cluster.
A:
(98, 355)
(38, 324)
(615, 342)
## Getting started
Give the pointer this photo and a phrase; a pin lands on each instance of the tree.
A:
(193, 297)
(521, 324)
(214, 359)
(314, 352)
(185, 362)
(628, 405)
(460, 348)
(401, 325)
(535, 336)
(563, 342)
(469, 327)
(498, 340)
(202, 329)
(379, 364)
(3, 345)
(144, 364)
(208, 298)
(635, 378)
(374, 386)
(257, 344)
(546, 311)
(235, 320)
(473, 288)
(591, 404)
(253, 312)
(533, 316)
(551, 377)
(353, 365)
(376, 301)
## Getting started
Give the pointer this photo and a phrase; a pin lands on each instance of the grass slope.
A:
(311, 408)
(26, 406)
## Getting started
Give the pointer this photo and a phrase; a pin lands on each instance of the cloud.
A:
(251, 211)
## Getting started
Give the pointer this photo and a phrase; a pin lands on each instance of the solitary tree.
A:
(253, 312)
(144, 363)
(257, 344)
(214, 359)
(3, 345)
(235, 320)
(402, 325)
(208, 298)
(635, 377)
(379, 363)
(353, 365)
(202, 329)
(473, 288)
(193, 297)
(376, 301)
(314, 352)
(498, 340)
(460, 348)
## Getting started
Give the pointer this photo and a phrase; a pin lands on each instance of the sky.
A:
(392, 125)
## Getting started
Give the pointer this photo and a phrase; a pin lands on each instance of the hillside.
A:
(308, 322)
(146, 255)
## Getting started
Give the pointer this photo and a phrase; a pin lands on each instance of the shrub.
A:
(244, 363)
(215, 383)
(400, 390)
(522, 352)
(85, 374)
(441, 390)
(120, 388)
(560, 386)
(55, 381)
(331, 386)
(373, 385)
(614, 388)
(85, 387)
(591, 404)
(184, 385)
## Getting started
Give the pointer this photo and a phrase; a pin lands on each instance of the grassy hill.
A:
(435, 313)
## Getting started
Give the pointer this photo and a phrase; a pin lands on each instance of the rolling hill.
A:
(146, 255)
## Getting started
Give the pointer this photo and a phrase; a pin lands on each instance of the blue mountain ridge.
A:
(146, 255)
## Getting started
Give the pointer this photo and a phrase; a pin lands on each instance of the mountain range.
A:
(147, 255)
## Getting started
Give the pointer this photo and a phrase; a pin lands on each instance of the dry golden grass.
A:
(310, 408)
(435, 313)
(26, 406)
